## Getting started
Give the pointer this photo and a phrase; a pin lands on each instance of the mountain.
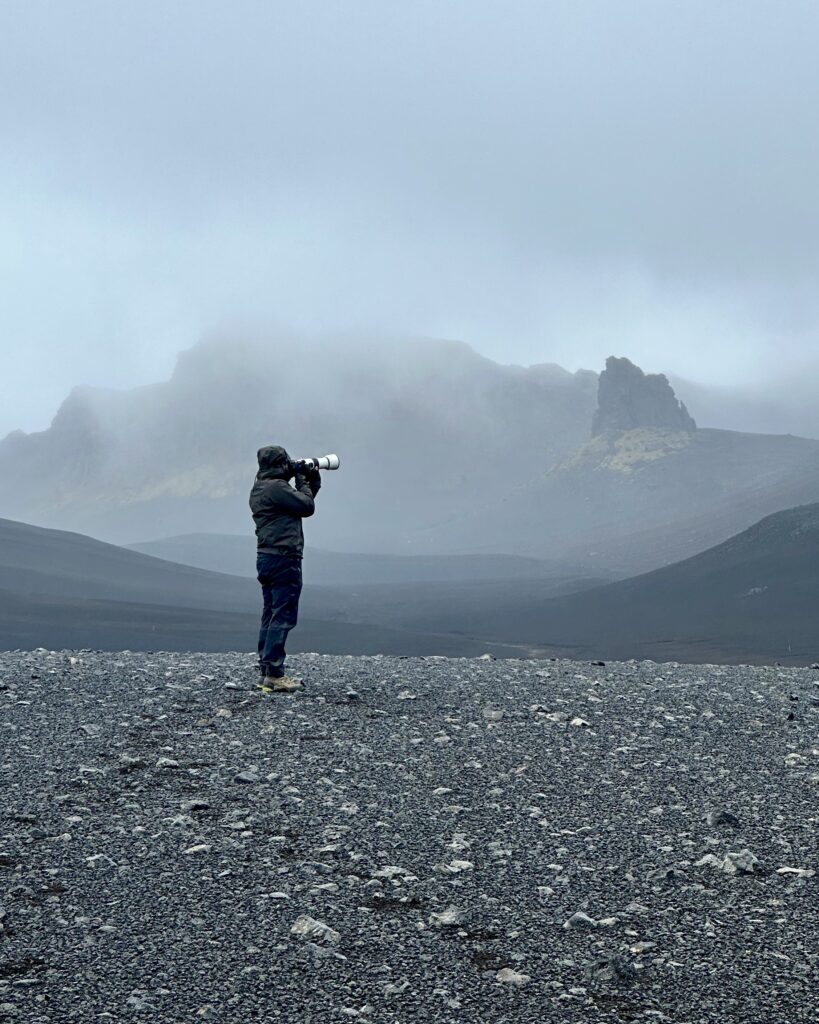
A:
(753, 598)
(425, 429)
(443, 453)
(648, 489)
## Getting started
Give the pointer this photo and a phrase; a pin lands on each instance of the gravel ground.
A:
(406, 840)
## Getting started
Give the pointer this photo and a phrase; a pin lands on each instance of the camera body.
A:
(315, 462)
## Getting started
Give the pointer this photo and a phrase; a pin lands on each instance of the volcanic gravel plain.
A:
(406, 840)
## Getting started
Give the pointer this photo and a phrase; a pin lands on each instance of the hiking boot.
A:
(286, 684)
(280, 684)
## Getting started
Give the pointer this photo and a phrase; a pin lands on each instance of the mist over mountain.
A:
(784, 404)
(425, 429)
(648, 489)
(444, 452)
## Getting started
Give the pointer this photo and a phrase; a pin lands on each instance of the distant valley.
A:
(752, 599)
(235, 554)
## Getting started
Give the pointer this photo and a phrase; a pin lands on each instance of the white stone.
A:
(509, 977)
(447, 918)
(307, 927)
(198, 848)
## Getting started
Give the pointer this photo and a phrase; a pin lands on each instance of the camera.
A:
(315, 462)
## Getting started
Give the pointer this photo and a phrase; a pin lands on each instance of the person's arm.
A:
(297, 500)
(313, 478)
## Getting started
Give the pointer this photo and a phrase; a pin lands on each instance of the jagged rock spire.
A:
(628, 399)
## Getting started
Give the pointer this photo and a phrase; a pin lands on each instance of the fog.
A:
(549, 182)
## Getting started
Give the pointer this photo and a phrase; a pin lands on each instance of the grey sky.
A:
(546, 180)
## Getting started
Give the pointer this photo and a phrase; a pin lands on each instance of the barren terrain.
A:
(448, 840)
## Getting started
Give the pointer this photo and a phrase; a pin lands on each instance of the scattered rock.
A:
(529, 820)
(307, 927)
(719, 817)
(194, 805)
(637, 908)
(612, 969)
(580, 920)
(742, 863)
(130, 763)
(509, 977)
(324, 952)
(455, 867)
(449, 918)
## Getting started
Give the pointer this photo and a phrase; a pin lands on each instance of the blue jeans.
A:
(280, 577)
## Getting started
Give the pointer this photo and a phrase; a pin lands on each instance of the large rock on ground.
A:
(628, 399)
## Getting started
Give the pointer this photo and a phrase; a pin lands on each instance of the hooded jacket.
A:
(278, 508)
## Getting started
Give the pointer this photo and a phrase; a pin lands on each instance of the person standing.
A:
(278, 508)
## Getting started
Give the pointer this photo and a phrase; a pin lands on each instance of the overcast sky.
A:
(550, 181)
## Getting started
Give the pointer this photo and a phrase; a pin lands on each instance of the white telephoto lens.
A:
(321, 462)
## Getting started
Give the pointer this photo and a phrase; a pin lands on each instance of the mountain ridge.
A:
(155, 462)
(443, 452)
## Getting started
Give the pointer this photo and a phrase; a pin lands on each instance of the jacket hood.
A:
(274, 463)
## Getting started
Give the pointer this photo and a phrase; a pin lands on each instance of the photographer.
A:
(278, 509)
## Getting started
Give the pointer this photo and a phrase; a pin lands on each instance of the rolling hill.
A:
(753, 598)
(65, 590)
(235, 554)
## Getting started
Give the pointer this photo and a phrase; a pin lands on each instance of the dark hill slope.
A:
(57, 563)
(752, 598)
(64, 590)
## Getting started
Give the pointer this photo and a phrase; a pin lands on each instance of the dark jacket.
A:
(278, 508)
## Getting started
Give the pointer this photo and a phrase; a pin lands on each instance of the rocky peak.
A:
(628, 399)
